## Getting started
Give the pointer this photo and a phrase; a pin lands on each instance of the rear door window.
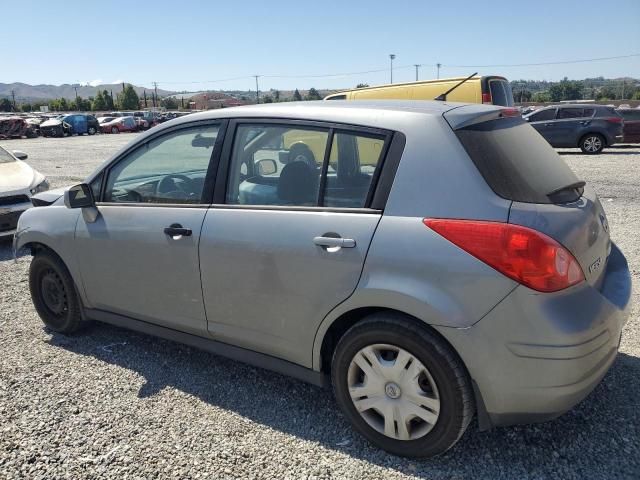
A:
(570, 113)
(588, 112)
(286, 165)
(516, 162)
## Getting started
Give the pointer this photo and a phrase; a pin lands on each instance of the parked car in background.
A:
(71, 124)
(589, 127)
(367, 269)
(16, 127)
(477, 89)
(631, 129)
(102, 120)
(18, 182)
(119, 125)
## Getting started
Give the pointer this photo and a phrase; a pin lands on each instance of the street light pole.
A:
(257, 90)
(391, 57)
(75, 87)
(438, 65)
(417, 66)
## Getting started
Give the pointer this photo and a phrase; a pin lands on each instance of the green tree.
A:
(128, 98)
(566, 90)
(25, 107)
(362, 85)
(5, 105)
(267, 99)
(276, 95)
(108, 100)
(296, 96)
(313, 94)
(169, 103)
(98, 103)
(636, 96)
(541, 97)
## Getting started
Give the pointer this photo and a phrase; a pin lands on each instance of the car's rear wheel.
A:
(592, 143)
(92, 131)
(401, 386)
(115, 130)
(53, 293)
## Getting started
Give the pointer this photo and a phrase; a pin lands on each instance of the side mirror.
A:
(267, 167)
(79, 196)
(20, 155)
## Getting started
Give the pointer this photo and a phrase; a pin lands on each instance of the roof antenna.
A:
(443, 96)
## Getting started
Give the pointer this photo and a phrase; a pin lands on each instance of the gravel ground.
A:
(115, 404)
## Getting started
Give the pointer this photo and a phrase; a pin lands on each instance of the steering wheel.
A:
(167, 185)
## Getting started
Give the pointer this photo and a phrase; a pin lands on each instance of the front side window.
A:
(543, 115)
(168, 169)
(284, 165)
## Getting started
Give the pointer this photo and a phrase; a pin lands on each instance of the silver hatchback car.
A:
(432, 261)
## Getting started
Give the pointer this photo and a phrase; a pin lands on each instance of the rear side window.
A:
(515, 161)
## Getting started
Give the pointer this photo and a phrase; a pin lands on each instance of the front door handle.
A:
(176, 230)
(333, 242)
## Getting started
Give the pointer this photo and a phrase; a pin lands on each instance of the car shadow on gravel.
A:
(606, 152)
(602, 432)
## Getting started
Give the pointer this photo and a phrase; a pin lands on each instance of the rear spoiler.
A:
(466, 115)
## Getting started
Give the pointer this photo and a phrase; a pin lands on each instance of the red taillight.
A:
(510, 112)
(525, 255)
(486, 98)
(614, 119)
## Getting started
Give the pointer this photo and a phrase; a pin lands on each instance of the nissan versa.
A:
(432, 260)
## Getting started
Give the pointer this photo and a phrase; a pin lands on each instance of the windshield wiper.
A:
(443, 96)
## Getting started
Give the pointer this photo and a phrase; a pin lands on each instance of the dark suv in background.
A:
(590, 127)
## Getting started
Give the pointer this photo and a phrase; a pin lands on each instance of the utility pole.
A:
(13, 95)
(155, 89)
(391, 57)
(417, 66)
(438, 65)
(257, 90)
(144, 93)
(75, 87)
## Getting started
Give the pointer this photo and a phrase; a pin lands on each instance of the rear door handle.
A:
(332, 242)
(176, 230)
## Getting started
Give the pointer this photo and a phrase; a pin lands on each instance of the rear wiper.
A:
(572, 187)
(443, 96)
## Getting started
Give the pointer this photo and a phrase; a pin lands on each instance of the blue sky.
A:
(175, 43)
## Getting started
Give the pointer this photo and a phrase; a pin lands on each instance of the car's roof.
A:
(389, 114)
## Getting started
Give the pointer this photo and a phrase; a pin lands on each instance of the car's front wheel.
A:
(401, 386)
(592, 143)
(92, 131)
(53, 293)
(115, 130)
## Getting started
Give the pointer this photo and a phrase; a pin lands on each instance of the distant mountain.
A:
(25, 92)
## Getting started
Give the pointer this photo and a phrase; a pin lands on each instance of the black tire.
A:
(53, 293)
(115, 130)
(592, 143)
(92, 130)
(455, 393)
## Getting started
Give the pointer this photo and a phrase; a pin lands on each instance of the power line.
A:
(564, 62)
(401, 67)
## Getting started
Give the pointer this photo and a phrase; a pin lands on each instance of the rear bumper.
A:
(535, 356)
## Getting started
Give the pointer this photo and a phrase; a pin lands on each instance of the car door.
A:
(568, 126)
(286, 240)
(139, 258)
(543, 121)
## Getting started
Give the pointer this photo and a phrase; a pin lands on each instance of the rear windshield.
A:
(516, 162)
(501, 93)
